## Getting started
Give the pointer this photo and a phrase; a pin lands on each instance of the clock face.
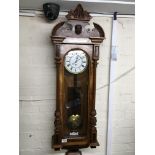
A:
(76, 61)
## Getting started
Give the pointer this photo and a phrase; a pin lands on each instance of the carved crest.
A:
(78, 26)
(78, 14)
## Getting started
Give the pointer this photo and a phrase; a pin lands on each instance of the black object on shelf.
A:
(51, 11)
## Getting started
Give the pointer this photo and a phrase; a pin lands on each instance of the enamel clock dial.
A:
(76, 61)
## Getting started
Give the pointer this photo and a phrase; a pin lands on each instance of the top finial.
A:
(78, 14)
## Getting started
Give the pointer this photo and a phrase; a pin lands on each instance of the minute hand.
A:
(77, 58)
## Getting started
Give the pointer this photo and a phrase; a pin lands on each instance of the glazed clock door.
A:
(76, 75)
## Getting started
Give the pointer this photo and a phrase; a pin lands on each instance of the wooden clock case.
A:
(76, 34)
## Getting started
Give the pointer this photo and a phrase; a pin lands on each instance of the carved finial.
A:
(78, 14)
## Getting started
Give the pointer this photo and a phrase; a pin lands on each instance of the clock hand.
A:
(77, 59)
(74, 61)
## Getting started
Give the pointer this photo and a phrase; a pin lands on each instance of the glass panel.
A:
(73, 108)
(76, 104)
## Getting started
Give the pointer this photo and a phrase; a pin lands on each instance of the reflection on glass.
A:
(73, 108)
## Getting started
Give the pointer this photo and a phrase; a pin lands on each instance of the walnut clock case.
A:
(77, 53)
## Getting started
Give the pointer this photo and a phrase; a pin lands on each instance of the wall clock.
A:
(77, 52)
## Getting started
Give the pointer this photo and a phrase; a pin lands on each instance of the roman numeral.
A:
(84, 64)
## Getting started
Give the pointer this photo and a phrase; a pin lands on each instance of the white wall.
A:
(37, 88)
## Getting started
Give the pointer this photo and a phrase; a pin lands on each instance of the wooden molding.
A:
(78, 14)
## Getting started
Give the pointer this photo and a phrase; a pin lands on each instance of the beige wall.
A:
(37, 88)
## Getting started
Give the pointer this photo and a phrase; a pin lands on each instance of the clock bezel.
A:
(87, 61)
